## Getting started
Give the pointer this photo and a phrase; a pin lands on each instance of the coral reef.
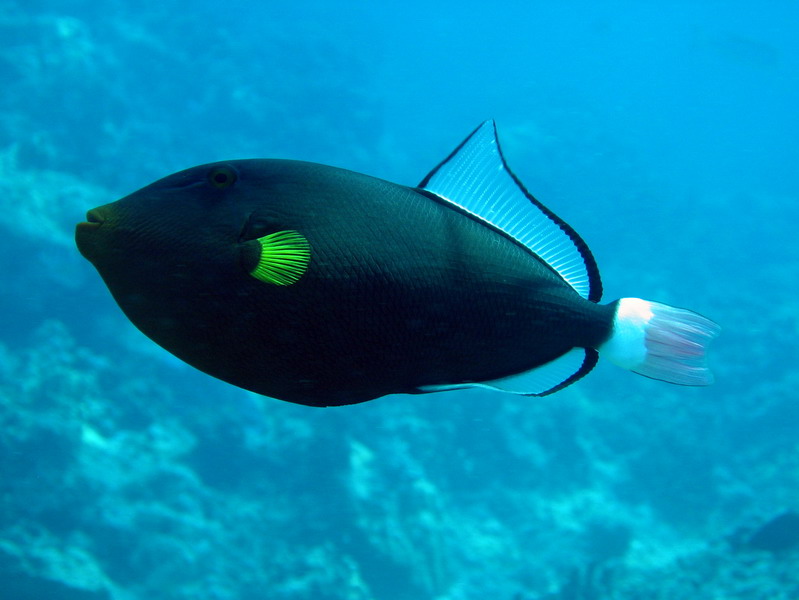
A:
(126, 475)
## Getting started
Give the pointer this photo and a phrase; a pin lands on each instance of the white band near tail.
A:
(661, 341)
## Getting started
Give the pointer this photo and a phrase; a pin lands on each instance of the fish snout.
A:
(86, 233)
(95, 216)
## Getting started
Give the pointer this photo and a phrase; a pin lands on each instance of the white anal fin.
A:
(543, 380)
(476, 179)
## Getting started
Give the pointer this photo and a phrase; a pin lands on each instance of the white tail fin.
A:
(660, 341)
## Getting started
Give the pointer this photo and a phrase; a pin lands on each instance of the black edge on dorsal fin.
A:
(476, 178)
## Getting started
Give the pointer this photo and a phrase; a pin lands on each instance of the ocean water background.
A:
(664, 133)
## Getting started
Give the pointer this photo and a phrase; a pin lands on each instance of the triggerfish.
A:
(322, 286)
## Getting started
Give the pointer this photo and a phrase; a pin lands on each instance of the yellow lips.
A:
(84, 232)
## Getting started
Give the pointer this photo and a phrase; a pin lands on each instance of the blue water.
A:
(664, 133)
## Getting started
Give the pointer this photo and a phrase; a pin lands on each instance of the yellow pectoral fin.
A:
(285, 256)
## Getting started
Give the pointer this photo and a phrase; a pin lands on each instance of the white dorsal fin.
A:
(543, 380)
(476, 178)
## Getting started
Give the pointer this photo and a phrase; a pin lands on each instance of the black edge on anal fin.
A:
(591, 358)
(540, 381)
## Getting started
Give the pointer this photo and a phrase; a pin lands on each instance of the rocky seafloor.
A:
(125, 475)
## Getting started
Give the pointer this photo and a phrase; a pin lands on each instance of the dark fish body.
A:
(365, 287)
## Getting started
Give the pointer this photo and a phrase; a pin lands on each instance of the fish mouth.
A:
(93, 220)
(87, 236)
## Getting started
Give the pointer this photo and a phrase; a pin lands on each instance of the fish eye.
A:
(222, 177)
